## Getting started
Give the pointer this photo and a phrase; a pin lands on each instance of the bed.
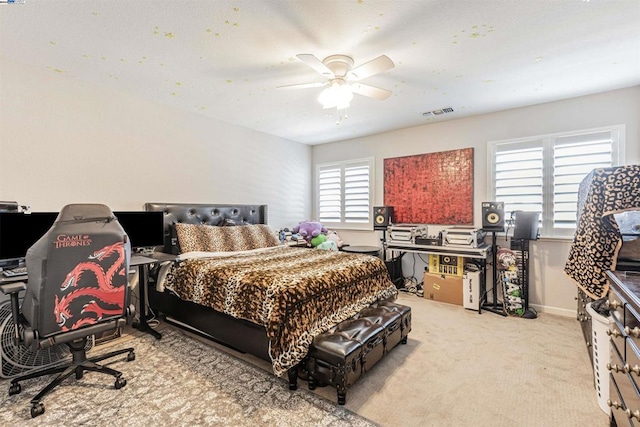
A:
(269, 300)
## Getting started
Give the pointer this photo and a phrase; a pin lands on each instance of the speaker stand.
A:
(495, 306)
(529, 312)
(384, 244)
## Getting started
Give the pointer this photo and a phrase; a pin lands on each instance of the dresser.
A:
(624, 359)
(585, 320)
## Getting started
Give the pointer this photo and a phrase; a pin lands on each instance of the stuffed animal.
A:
(328, 245)
(333, 236)
(310, 229)
(318, 240)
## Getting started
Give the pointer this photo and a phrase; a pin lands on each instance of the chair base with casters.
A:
(79, 363)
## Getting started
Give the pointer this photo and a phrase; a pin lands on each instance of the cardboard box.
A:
(439, 287)
(471, 291)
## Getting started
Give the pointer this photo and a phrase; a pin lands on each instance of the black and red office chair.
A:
(77, 287)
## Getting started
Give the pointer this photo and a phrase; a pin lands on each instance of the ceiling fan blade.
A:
(375, 66)
(370, 91)
(315, 63)
(302, 85)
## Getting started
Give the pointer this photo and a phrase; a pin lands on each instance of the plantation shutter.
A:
(330, 193)
(356, 192)
(573, 158)
(344, 192)
(519, 171)
(543, 174)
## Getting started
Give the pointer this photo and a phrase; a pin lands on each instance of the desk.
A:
(481, 254)
(143, 263)
(4, 280)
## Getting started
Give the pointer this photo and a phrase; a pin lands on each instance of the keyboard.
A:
(18, 271)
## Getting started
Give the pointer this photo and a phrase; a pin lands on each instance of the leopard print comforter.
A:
(597, 239)
(294, 293)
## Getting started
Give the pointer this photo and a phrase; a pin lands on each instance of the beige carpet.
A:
(458, 368)
(461, 368)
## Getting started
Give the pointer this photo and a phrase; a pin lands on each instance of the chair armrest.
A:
(13, 288)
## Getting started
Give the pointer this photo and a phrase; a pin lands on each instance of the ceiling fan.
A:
(343, 80)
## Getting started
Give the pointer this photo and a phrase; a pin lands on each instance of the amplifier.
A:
(448, 265)
(429, 240)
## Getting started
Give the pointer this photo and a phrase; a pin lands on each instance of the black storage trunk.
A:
(340, 356)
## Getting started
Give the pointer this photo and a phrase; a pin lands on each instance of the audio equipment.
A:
(394, 267)
(407, 233)
(463, 236)
(526, 225)
(382, 217)
(448, 260)
(448, 265)
(471, 290)
(429, 240)
(493, 216)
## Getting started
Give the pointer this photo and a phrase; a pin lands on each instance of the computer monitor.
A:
(19, 231)
(145, 229)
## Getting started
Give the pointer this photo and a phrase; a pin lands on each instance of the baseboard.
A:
(564, 312)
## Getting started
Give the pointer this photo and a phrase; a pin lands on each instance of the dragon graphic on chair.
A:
(88, 292)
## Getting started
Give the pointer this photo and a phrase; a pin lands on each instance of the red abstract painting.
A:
(434, 188)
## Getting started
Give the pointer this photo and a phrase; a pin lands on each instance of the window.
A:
(343, 193)
(543, 173)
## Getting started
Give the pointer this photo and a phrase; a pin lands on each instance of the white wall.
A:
(63, 141)
(550, 290)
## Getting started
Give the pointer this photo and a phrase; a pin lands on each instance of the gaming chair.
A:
(77, 287)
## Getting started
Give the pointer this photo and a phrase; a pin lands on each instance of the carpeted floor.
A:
(176, 381)
(458, 368)
(464, 369)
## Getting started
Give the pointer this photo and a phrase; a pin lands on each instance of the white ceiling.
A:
(225, 59)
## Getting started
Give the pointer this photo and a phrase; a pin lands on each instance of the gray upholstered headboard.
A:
(193, 213)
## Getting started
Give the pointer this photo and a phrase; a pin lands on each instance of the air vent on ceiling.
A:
(438, 112)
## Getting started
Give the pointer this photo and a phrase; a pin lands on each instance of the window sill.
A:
(346, 228)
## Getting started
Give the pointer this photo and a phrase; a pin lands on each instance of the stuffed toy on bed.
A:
(318, 240)
(310, 229)
(333, 235)
(328, 245)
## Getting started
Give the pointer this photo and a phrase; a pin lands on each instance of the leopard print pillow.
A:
(208, 238)
(189, 237)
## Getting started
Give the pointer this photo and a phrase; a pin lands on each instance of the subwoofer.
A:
(493, 216)
(382, 217)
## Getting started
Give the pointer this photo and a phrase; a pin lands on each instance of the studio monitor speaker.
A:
(526, 225)
(493, 216)
(382, 217)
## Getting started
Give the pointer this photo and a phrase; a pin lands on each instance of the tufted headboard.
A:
(192, 213)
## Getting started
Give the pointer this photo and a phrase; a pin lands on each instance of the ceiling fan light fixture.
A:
(337, 95)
